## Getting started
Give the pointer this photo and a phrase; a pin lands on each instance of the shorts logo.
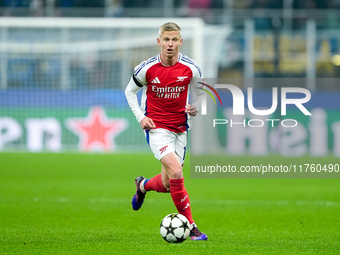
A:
(163, 149)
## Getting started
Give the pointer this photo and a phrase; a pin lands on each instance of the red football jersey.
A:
(166, 90)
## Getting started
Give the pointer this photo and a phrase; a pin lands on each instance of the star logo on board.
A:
(97, 132)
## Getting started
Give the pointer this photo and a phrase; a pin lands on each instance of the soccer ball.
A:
(175, 228)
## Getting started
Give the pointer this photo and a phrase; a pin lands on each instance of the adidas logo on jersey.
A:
(156, 80)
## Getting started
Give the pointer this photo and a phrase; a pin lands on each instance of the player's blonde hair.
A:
(169, 26)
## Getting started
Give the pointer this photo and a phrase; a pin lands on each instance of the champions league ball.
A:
(174, 228)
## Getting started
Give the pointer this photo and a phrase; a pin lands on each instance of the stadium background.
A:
(70, 146)
(55, 69)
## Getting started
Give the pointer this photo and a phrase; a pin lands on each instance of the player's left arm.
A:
(191, 110)
(197, 80)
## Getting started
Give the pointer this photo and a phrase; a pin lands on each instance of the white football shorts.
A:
(162, 142)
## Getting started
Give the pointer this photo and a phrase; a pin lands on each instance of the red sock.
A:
(181, 198)
(155, 184)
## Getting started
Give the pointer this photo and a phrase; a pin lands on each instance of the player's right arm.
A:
(147, 123)
(131, 91)
(131, 96)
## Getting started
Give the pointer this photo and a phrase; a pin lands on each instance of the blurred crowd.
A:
(199, 4)
(267, 14)
(278, 54)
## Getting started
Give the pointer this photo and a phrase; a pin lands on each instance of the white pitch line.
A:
(193, 201)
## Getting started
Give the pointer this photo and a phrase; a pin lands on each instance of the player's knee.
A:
(172, 166)
(176, 174)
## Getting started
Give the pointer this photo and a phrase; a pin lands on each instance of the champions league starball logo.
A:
(239, 105)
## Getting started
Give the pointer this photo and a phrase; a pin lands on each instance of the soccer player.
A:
(163, 115)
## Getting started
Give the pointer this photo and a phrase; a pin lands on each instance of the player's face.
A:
(170, 41)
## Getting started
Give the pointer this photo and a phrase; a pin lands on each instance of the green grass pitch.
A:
(81, 204)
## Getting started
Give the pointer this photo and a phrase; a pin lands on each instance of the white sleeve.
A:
(131, 96)
(197, 84)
